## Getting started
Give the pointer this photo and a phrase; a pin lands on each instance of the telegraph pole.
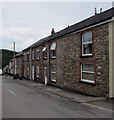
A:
(14, 58)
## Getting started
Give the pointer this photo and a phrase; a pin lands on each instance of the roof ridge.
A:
(103, 16)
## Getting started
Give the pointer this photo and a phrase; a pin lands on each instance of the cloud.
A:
(21, 35)
(25, 23)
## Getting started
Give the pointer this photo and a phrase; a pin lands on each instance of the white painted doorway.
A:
(45, 75)
(33, 72)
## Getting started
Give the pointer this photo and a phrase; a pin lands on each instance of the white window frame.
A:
(37, 73)
(53, 44)
(53, 49)
(84, 43)
(51, 54)
(44, 50)
(53, 73)
(90, 72)
(38, 56)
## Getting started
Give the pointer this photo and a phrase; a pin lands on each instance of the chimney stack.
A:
(95, 11)
(101, 10)
(53, 31)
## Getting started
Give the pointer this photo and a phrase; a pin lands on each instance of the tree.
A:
(5, 57)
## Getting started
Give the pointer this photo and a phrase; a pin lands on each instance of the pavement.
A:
(79, 98)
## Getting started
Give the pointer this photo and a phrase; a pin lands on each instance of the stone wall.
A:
(69, 59)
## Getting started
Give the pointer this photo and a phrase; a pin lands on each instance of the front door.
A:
(45, 75)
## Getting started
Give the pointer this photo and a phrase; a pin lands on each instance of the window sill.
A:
(45, 58)
(53, 81)
(88, 82)
(53, 57)
(86, 56)
(37, 59)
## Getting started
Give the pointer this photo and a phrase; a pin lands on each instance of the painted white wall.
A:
(111, 59)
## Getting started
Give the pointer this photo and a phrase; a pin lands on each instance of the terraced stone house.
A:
(77, 58)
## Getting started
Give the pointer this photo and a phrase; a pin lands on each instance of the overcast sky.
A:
(26, 23)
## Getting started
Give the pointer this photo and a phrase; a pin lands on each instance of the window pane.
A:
(44, 49)
(53, 68)
(87, 37)
(88, 67)
(53, 46)
(53, 53)
(37, 71)
(53, 76)
(38, 53)
(87, 48)
(45, 54)
(88, 76)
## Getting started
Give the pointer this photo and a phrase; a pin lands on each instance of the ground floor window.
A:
(37, 71)
(87, 73)
(32, 72)
(28, 72)
(53, 73)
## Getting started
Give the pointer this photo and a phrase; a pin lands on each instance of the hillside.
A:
(5, 57)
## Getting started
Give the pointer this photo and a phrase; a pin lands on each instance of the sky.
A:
(27, 22)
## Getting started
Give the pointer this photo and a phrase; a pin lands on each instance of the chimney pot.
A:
(95, 11)
(53, 31)
(100, 10)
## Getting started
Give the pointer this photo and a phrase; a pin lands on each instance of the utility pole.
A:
(14, 58)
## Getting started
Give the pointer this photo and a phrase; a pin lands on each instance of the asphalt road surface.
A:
(20, 101)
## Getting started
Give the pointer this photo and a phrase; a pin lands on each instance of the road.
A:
(20, 101)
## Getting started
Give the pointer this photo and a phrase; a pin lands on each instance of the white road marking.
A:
(98, 107)
(11, 91)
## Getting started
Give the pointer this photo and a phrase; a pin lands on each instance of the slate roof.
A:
(98, 18)
(19, 54)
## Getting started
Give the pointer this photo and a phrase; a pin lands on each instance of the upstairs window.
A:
(44, 53)
(28, 57)
(87, 44)
(38, 54)
(53, 73)
(53, 50)
(87, 73)
(33, 55)
(24, 57)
